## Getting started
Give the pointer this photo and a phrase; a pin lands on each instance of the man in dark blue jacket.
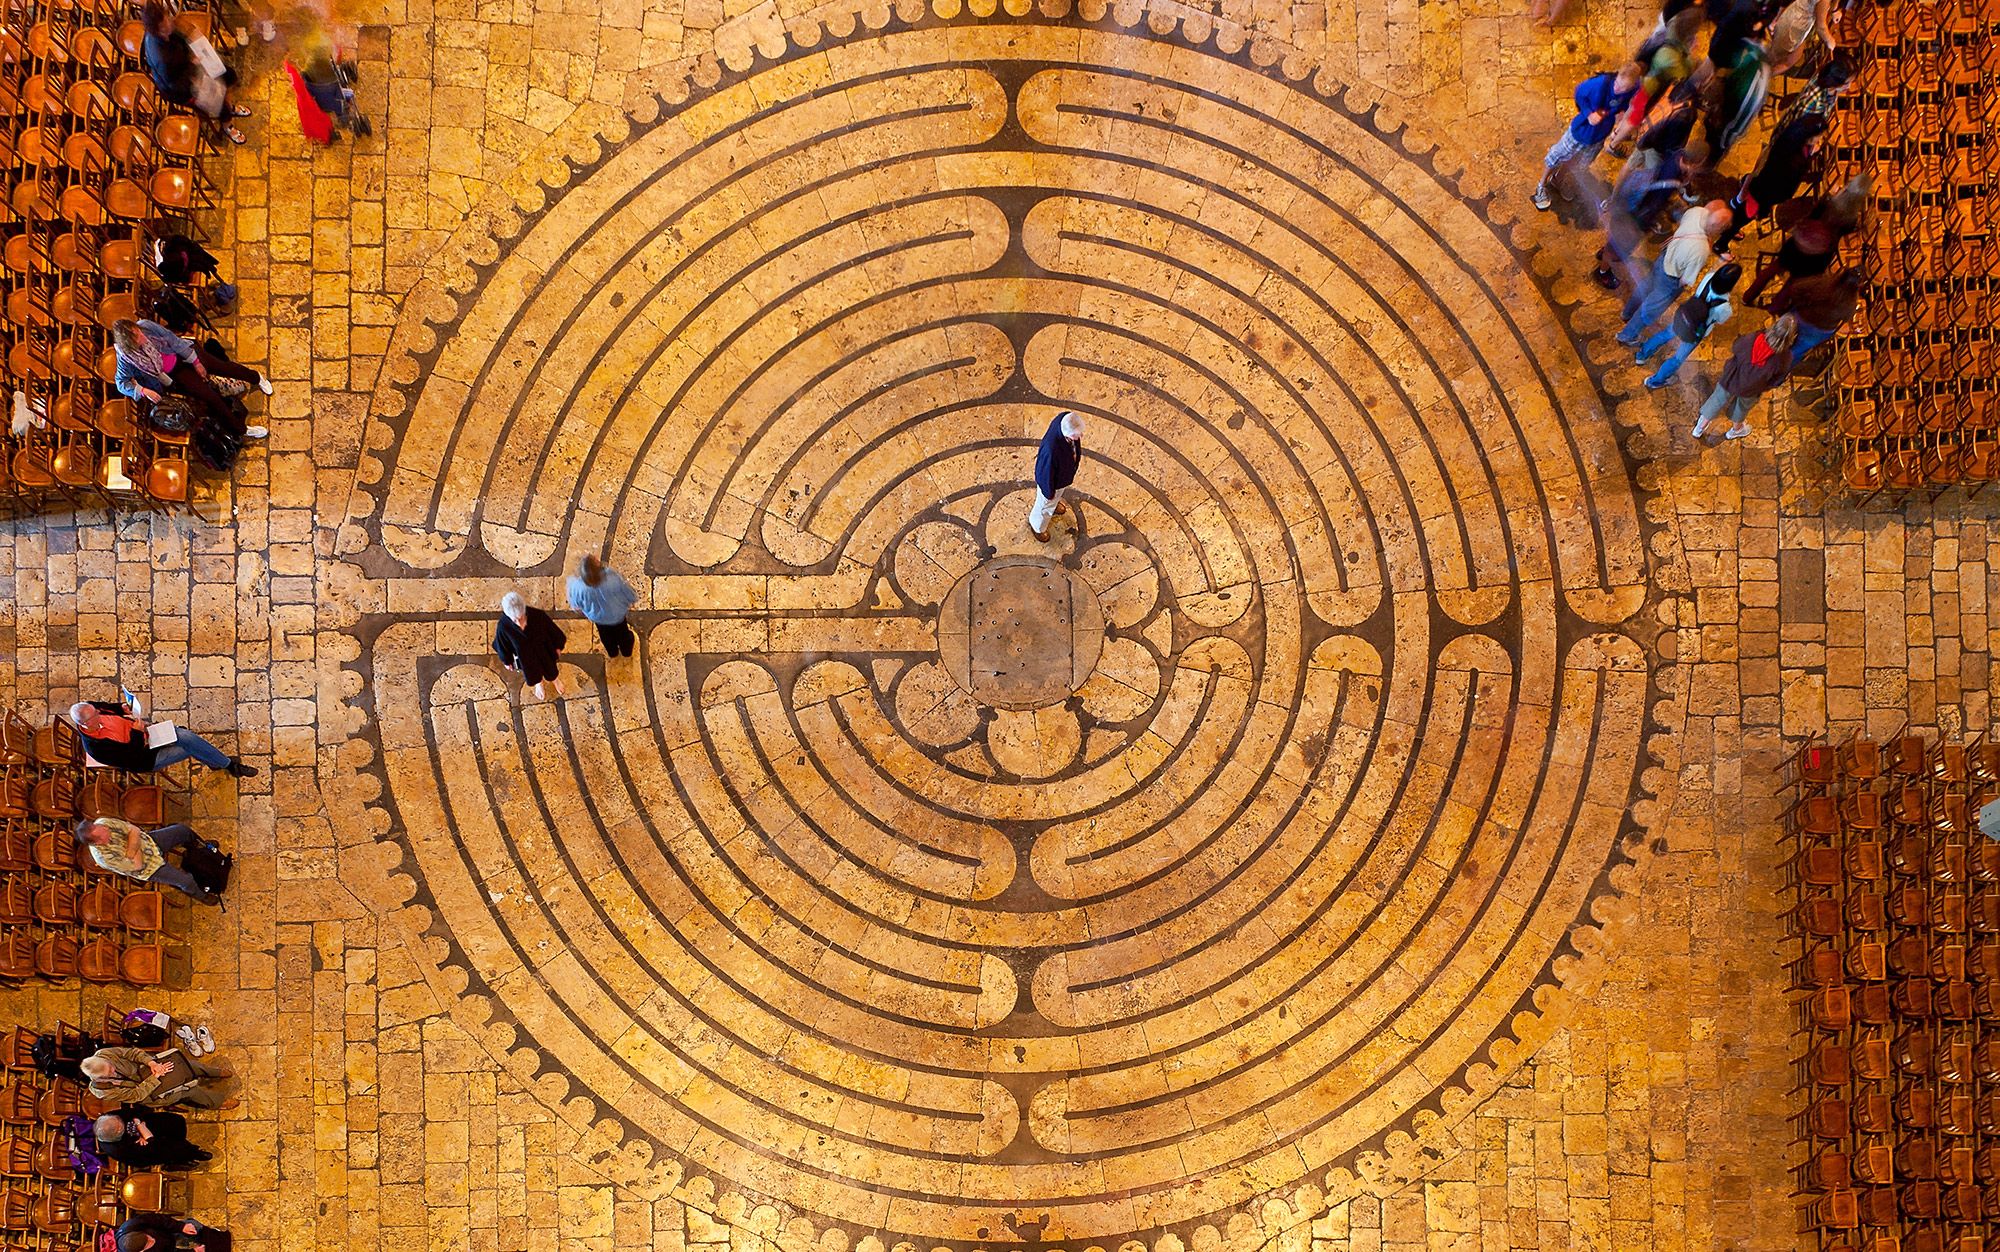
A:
(1599, 100)
(1055, 470)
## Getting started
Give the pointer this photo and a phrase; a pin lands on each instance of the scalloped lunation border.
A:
(1403, 1153)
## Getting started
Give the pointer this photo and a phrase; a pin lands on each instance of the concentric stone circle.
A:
(1347, 776)
(1020, 633)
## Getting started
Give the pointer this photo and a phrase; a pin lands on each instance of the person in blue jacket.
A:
(1600, 99)
(1055, 469)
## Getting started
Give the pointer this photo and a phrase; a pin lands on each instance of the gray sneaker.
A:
(1542, 199)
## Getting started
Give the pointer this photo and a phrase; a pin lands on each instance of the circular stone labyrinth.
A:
(1264, 891)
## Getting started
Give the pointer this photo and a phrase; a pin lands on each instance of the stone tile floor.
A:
(1389, 544)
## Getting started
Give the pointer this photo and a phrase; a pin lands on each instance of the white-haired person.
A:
(1055, 469)
(158, 1079)
(528, 640)
(114, 735)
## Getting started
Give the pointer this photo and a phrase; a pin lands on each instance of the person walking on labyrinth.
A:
(604, 598)
(1055, 469)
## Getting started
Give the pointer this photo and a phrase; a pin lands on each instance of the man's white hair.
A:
(513, 605)
(81, 710)
(1072, 424)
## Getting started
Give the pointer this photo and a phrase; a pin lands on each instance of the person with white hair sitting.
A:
(528, 640)
(1055, 469)
(137, 1076)
(146, 1138)
(114, 735)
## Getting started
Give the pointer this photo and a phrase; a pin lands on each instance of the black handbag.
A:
(172, 415)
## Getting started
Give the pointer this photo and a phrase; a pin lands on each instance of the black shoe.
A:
(241, 769)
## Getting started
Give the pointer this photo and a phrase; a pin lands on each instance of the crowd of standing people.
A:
(1674, 115)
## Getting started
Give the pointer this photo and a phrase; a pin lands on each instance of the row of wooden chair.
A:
(1895, 909)
(97, 165)
(62, 916)
(44, 1202)
(1916, 368)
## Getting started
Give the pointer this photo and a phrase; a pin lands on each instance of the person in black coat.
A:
(163, 1232)
(146, 1139)
(1056, 460)
(528, 640)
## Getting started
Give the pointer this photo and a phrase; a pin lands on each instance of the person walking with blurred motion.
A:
(1691, 323)
(1599, 100)
(604, 598)
(1678, 267)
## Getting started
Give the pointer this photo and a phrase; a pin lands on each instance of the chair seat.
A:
(167, 480)
(144, 805)
(78, 205)
(68, 254)
(119, 258)
(144, 964)
(179, 134)
(100, 907)
(113, 419)
(126, 198)
(172, 189)
(116, 307)
(99, 961)
(31, 468)
(75, 465)
(56, 958)
(20, 255)
(143, 910)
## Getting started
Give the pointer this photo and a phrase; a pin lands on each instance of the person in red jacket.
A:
(1759, 361)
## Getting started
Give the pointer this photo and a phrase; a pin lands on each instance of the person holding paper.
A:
(123, 848)
(157, 1079)
(115, 735)
(188, 72)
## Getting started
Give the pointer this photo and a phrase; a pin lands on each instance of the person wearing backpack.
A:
(1697, 315)
(146, 1138)
(122, 848)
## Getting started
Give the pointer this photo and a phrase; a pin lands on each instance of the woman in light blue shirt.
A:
(604, 598)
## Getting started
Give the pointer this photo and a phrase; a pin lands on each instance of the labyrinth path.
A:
(927, 880)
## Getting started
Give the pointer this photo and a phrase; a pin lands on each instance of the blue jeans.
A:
(188, 744)
(1672, 365)
(1661, 290)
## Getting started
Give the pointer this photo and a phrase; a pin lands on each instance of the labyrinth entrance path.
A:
(1350, 829)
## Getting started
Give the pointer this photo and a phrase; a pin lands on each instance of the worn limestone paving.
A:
(1329, 903)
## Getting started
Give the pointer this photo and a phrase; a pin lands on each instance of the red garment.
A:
(111, 726)
(312, 119)
(1761, 350)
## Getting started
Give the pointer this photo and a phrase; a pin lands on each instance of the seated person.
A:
(159, 1232)
(123, 848)
(113, 735)
(134, 1075)
(179, 76)
(146, 1138)
(153, 361)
